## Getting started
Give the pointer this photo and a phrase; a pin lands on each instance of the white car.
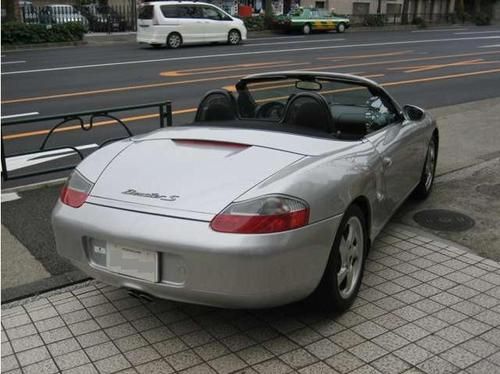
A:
(187, 22)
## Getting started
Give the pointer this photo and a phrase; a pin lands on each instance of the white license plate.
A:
(132, 262)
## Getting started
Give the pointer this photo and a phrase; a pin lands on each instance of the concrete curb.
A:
(35, 186)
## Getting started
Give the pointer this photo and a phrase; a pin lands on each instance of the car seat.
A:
(309, 110)
(217, 105)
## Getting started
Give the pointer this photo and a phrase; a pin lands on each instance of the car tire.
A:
(234, 37)
(306, 29)
(341, 27)
(174, 40)
(344, 271)
(424, 187)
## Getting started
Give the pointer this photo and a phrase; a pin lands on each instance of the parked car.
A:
(103, 18)
(273, 194)
(308, 20)
(186, 22)
(61, 13)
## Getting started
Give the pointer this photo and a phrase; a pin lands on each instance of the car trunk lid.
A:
(193, 178)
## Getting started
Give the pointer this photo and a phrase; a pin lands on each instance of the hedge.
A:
(255, 23)
(21, 33)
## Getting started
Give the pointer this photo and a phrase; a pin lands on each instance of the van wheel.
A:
(174, 40)
(341, 27)
(234, 37)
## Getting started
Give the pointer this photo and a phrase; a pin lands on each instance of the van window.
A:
(169, 11)
(146, 12)
(212, 13)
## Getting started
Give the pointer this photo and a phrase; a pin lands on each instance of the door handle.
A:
(387, 162)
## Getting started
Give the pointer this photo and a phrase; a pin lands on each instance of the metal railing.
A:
(95, 18)
(399, 19)
(164, 115)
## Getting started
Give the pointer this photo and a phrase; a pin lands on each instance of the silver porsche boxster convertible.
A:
(273, 194)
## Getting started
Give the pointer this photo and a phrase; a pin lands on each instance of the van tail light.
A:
(263, 215)
(76, 190)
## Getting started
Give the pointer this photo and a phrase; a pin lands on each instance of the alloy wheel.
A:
(351, 250)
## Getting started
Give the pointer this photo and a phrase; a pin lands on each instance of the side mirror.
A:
(413, 113)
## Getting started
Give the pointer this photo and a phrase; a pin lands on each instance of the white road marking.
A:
(20, 115)
(478, 32)
(24, 161)
(437, 30)
(269, 51)
(10, 196)
(489, 46)
(12, 62)
(295, 42)
(278, 37)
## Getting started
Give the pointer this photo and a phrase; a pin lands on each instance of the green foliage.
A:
(420, 22)
(374, 20)
(21, 33)
(482, 19)
(257, 23)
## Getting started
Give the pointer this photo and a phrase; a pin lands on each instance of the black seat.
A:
(309, 110)
(217, 105)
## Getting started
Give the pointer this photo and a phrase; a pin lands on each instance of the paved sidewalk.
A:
(425, 306)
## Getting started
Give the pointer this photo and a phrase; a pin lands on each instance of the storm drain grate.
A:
(443, 220)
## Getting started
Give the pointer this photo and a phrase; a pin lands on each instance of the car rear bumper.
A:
(197, 264)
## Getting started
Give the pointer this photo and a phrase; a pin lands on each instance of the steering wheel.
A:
(273, 110)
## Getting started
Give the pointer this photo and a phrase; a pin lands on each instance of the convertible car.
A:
(273, 194)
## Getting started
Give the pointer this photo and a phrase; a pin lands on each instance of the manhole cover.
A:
(443, 220)
(489, 189)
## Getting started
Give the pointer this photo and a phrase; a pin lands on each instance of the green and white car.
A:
(308, 20)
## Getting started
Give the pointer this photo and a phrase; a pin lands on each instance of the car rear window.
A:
(146, 12)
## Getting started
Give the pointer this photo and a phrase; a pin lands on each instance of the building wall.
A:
(421, 6)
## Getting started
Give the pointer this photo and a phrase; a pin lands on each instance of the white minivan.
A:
(186, 22)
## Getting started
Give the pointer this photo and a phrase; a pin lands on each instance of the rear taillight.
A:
(76, 190)
(264, 215)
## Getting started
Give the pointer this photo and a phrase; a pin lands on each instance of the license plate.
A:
(132, 262)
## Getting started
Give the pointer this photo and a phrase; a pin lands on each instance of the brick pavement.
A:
(424, 307)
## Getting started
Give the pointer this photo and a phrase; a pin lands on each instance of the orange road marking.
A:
(217, 69)
(416, 69)
(365, 56)
(192, 110)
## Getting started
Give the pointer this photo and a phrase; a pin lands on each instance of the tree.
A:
(269, 12)
(10, 10)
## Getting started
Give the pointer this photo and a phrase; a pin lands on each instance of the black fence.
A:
(85, 121)
(400, 19)
(95, 18)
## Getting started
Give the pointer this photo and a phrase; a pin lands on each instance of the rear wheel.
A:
(306, 29)
(342, 278)
(234, 37)
(424, 187)
(341, 27)
(174, 40)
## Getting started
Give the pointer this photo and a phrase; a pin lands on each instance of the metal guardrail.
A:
(165, 119)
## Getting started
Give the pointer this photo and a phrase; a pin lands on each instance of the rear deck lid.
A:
(185, 177)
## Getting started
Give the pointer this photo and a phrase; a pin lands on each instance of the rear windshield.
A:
(146, 12)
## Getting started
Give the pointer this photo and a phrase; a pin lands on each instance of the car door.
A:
(191, 25)
(216, 24)
(401, 146)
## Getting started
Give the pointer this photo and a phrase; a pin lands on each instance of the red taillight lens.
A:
(262, 216)
(76, 190)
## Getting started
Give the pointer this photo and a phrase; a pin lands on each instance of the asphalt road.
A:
(429, 68)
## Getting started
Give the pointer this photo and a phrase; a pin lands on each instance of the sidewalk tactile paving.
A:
(425, 306)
